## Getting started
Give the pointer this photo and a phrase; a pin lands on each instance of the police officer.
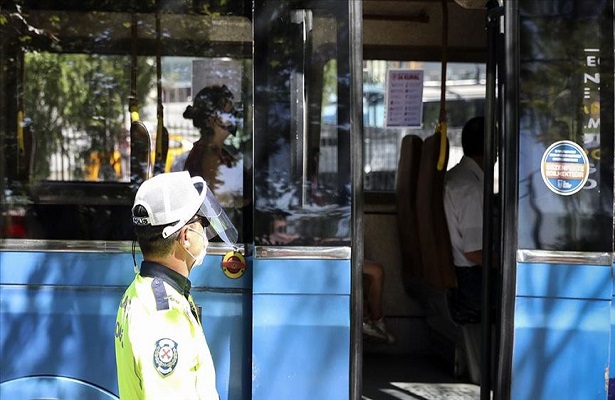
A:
(160, 346)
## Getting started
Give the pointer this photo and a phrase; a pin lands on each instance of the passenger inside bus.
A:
(463, 205)
(374, 326)
(214, 115)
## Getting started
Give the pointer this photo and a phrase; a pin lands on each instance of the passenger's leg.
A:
(375, 325)
(375, 274)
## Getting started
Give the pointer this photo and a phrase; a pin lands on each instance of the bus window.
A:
(576, 79)
(79, 120)
(302, 155)
(67, 155)
(465, 96)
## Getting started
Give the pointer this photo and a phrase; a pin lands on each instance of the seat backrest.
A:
(140, 150)
(162, 150)
(27, 151)
(407, 224)
(436, 252)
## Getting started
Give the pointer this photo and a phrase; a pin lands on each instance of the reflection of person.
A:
(279, 232)
(160, 346)
(213, 114)
(124, 149)
(373, 321)
(463, 204)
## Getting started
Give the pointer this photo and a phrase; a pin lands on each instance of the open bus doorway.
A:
(417, 355)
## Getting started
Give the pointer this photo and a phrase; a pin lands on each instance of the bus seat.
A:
(407, 224)
(438, 266)
(436, 253)
(162, 150)
(140, 149)
(27, 154)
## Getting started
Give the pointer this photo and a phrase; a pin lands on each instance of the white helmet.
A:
(174, 198)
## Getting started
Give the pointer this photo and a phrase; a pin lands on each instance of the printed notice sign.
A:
(565, 167)
(404, 96)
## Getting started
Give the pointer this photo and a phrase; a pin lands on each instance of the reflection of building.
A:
(182, 78)
(217, 71)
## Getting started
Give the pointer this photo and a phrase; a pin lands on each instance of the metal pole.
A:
(493, 25)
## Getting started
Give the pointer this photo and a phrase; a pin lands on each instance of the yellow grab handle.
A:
(159, 134)
(442, 155)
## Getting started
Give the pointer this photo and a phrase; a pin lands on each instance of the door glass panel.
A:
(566, 94)
(301, 164)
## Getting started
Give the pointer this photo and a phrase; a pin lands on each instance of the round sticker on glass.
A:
(565, 167)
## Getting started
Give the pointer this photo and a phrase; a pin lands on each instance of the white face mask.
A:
(198, 259)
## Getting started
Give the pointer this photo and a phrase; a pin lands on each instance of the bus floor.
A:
(417, 366)
(412, 377)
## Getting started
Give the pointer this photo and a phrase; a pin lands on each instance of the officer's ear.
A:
(183, 237)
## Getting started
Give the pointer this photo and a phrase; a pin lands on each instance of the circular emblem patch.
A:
(165, 356)
(233, 264)
(565, 167)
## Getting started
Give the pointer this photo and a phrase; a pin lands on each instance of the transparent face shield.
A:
(219, 222)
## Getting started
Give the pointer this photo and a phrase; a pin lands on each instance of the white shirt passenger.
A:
(463, 204)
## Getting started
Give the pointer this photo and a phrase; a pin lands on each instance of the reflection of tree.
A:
(279, 63)
(552, 69)
(283, 59)
(329, 85)
(66, 93)
(553, 42)
(88, 95)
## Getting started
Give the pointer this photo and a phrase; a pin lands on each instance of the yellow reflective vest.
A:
(160, 347)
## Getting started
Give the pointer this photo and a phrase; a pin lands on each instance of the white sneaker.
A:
(373, 332)
(383, 329)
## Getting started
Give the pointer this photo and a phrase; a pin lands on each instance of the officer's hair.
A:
(150, 237)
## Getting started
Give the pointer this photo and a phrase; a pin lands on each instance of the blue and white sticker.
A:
(165, 356)
(565, 167)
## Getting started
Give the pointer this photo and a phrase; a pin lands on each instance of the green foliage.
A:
(78, 101)
(329, 81)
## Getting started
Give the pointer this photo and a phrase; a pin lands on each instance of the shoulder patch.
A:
(160, 294)
(165, 356)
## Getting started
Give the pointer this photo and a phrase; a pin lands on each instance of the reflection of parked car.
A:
(179, 161)
(111, 170)
(103, 167)
(179, 147)
(12, 218)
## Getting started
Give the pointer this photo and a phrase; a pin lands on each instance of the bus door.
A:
(558, 217)
(77, 79)
(305, 126)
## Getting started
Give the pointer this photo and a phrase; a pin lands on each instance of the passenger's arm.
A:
(475, 256)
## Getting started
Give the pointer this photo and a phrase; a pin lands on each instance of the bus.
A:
(317, 180)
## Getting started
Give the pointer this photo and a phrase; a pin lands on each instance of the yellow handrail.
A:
(441, 128)
(442, 155)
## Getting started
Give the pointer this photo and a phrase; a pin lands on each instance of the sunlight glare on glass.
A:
(434, 391)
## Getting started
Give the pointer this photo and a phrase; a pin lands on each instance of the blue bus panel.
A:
(562, 332)
(301, 329)
(57, 314)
